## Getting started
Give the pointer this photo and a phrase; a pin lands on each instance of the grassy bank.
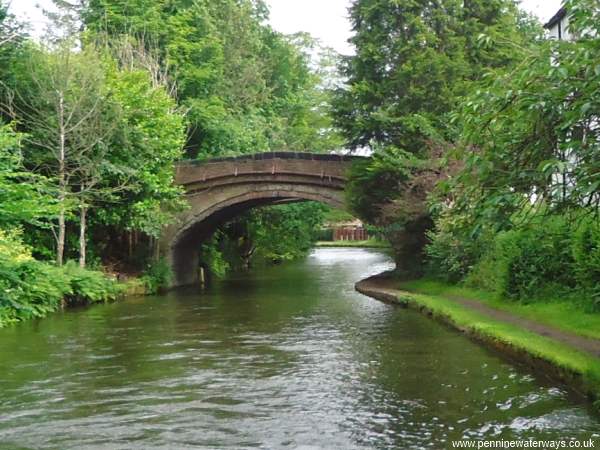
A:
(562, 314)
(371, 243)
(578, 368)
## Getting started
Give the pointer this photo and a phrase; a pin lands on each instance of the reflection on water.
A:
(286, 357)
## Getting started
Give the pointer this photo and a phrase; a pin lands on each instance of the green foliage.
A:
(531, 130)
(102, 116)
(88, 286)
(286, 232)
(214, 256)
(25, 197)
(271, 234)
(414, 59)
(547, 258)
(12, 36)
(147, 142)
(157, 276)
(528, 191)
(246, 88)
(325, 234)
(586, 256)
(451, 253)
(374, 183)
(333, 215)
(122, 135)
(32, 289)
(59, 100)
(534, 260)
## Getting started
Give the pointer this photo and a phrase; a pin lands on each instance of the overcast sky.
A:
(324, 19)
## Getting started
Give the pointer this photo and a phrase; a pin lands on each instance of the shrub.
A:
(32, 289)
(548, 257)
(452, 252)
(27, 290)
(484, 274)
(586, 256)
(213, 257)
(449, 257)
(87, 286)
(157, 276)
(536, 260)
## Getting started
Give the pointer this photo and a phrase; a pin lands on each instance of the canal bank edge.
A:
(353, 244)
(569, 365)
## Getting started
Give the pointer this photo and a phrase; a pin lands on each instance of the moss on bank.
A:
(578, 368)
(563, 314)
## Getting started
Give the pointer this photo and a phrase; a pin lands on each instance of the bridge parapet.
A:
(278, 155)
(220, 189)
(204, 174)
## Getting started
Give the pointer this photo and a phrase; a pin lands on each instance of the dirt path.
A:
(387, 290)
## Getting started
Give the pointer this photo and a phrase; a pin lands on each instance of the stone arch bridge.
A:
(220, 189)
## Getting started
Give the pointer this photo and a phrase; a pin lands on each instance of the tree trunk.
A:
(82, 235)
(62, 181)
(130, 245)
(60, 241)
(156, 243)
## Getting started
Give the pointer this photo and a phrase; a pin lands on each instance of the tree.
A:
(414, 61)
(245, 88)
(11, 31)
(25, 197)
(273, 234)
(531, 141)
(106, 135)
(148, 140)
(520, 217)
(12, 37)
(60, 102)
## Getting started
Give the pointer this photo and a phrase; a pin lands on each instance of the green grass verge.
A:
(372, 243)
(559, 355)
(561, 314)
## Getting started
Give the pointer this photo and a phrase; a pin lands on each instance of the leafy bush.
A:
(32, 289)
(157, 276)
(548, 257)
(452, 252)
(213, 257)
(267, 235)
(535, 259)
(586, 255)
(449, 257)
(28, 289)
(483, 275)
(375, 182)
(89, 286)
(325, 234)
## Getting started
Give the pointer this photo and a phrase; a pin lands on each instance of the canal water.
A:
(285, 357)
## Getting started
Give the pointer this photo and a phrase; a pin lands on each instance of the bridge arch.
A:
(220, 189)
